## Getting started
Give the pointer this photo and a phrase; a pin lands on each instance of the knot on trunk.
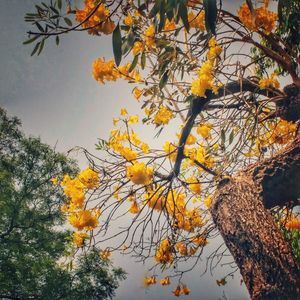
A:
(289, 107)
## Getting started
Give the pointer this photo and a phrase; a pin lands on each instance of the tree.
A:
(34, 245)
(217, 70)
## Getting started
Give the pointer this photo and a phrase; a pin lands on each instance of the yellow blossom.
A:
(194, 185)
(149, 281)
(137, 48)
(79, 238)
(54, 181)
(181, 248)
(134, 209)
(87, 219)
(139, 173)
(165, 281)
(104, 70)
(270, 82)
(137, 93)
(163, 253)
(163, 116)
(197, 21)
(128, 20)
(208, 201)
(293, 223)
(123, 112)
(171, 150)
(204, 130)
(105, 254)
(89, 178)
(261, 18)
(93, 23)
(133, 119)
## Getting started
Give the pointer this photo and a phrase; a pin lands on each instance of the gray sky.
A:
(57, 99)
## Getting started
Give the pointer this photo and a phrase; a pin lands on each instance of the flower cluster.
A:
(293, 223)
(79, 238)
(139, 173)
(205, 80)
(260, 18)
(95, 18)
(164, 252)
(74, 189)
(184, 290)
(270, 82)
(107, 71)
(163, 116)
(197, 21)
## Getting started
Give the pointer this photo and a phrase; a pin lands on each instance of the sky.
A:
(57, 99)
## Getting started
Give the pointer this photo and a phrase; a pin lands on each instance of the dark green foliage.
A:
(32, 239)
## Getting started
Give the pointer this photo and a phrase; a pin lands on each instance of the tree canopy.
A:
(229, 76)
(35, 247)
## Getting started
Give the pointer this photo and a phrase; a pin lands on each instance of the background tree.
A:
(34, 247)
(235, 164)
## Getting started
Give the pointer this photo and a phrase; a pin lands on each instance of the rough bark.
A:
(265, 259)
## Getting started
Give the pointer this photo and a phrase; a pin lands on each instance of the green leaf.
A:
(31, 40)
(231, 137)
(143, 60)
(210, 7)
(223, 136)
(133, 64)
(68, 21)
(57, 40)
(35, 49)
(184, 16)
(59, 4)
(117, 44)
(163, 80)
(40, 28)
(41, 46)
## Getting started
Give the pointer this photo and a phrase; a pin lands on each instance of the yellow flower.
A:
(105, 254)
(163, 254)
(54, 181)
(133, 119)
(145, 148)
(155, 199)
(128, 154)
(185, 290)
(204, 130)
(104, 70)
(165, 281)
(194, 185)
(163, 116)
(294, 223)
(89, 178)
(137, 48)
(197, 21)
(171, 150)
(169, 25)
(93, 23)
(128, 20)
(134, 209)
(139, 173)
(261, 18)
(84, 219)
(208, 201)
(271, 82)
(149, 280)
(79, 238)
(137, 93)
(123, 112)
(181, 248)
(177, 291)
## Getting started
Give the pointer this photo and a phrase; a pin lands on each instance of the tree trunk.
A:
(265, 259)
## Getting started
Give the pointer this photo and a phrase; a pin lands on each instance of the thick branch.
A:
(278, 177)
